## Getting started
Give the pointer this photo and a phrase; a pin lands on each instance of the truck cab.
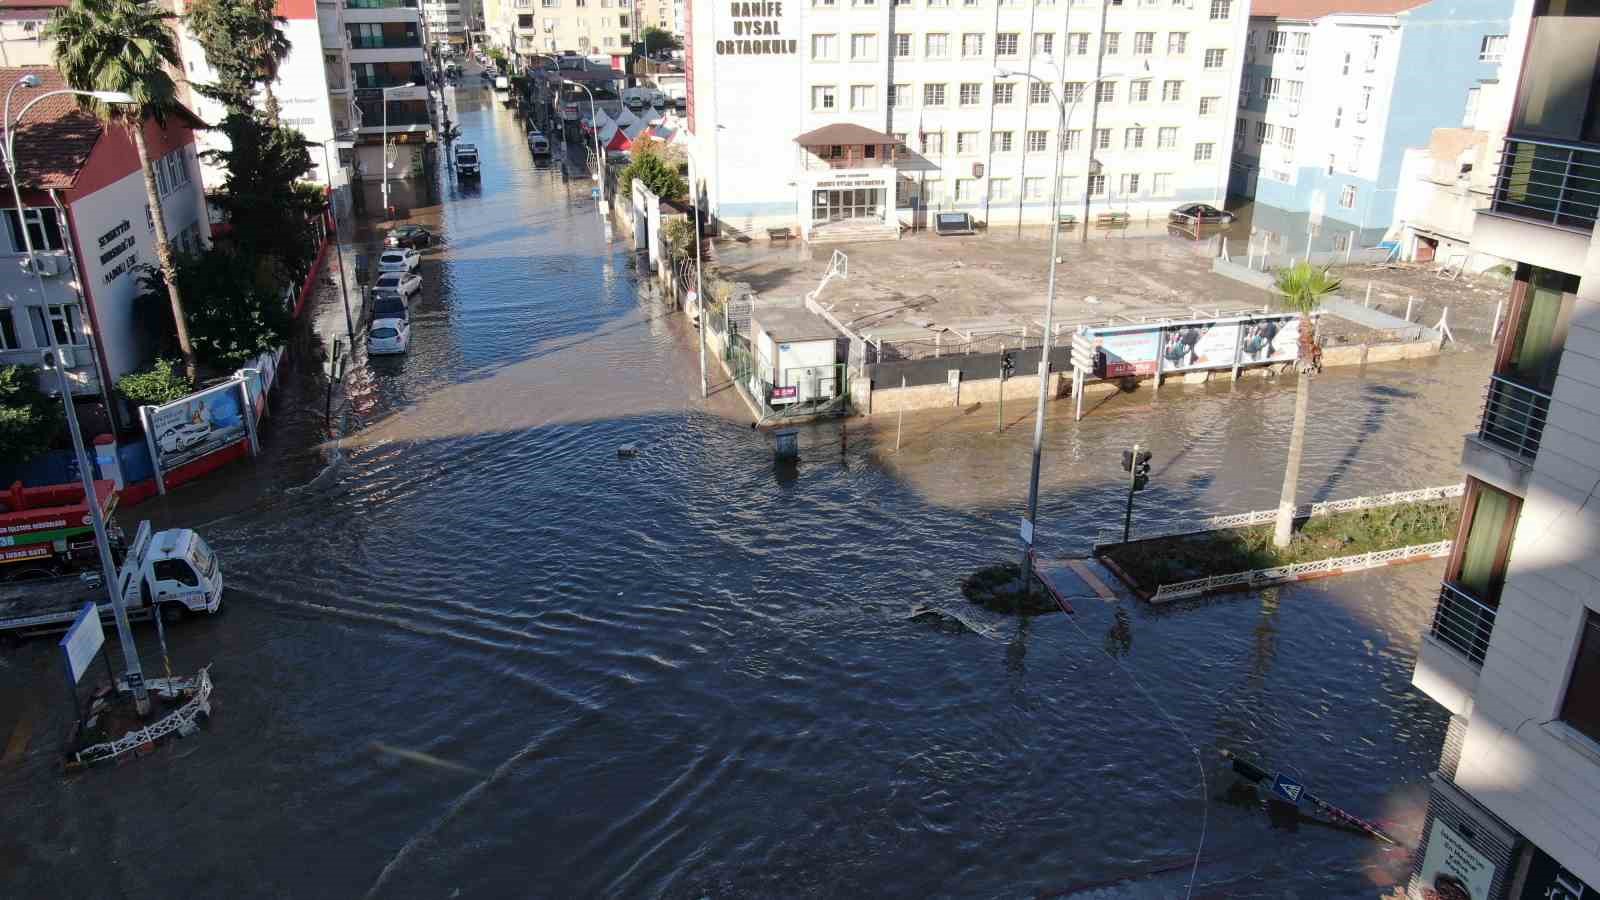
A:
(467, 160)
(171, 573)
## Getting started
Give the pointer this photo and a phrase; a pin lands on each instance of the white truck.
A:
(467, 160)
(171, 573)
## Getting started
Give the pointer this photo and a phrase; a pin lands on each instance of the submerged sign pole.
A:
(79, 647)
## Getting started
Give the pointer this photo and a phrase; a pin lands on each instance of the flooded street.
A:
(468, 651)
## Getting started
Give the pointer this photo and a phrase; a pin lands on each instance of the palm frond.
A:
(1303, 286)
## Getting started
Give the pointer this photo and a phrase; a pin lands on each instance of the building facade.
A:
(1514, 649)
(528, 28)
(944, 88)
(22, 41)
(1335, 93)
(88, 216)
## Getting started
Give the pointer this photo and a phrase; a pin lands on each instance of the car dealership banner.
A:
(199, 426)
(1192, 345)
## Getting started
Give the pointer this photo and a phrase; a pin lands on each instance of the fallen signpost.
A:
(1287, 788)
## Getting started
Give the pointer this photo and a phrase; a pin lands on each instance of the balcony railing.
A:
(380, 4)
(1514, 417)
(1549, 182)
(1463, 622)
(378, 42)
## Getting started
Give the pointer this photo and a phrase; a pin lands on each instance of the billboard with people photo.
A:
(198, 425)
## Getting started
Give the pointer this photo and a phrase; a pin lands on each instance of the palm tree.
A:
(126, 45)
(1303, 286)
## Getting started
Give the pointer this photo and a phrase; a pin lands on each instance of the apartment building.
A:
(1514, 648)
(861, 115)
(22, 41)
(666, 15)
(531, 27)
(1336, 91)
(447, 22)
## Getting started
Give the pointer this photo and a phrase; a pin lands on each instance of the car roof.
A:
(387, 320)
(397, 251)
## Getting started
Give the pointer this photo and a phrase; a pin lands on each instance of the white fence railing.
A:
(1257, 578)
(1305, 510)
(183, 721)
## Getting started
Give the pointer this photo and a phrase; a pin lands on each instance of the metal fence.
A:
(1303, 511)
(1549, 182)
(1257, 578)
(1463, 622)
(1514, 417)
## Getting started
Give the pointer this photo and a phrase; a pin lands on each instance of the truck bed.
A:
(51, 604)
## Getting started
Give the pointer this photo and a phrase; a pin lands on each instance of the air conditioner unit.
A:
(64, 354)
(48, 266)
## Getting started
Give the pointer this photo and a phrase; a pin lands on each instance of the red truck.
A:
(47, 531)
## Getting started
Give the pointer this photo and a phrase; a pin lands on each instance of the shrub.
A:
(29, 418)
(659, 177)
(160, 384)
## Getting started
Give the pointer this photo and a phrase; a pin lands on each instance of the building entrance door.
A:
(849, 203)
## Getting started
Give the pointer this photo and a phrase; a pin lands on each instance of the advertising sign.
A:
(782, 395)
(1452, 869)
(82, 641)
(1201, 345)
(1130, 352)
(1269, 340)
(1548, 880)
(196, 426)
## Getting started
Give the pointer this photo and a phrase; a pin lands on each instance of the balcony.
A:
(1557, 184)
(1514, 417)
(380, 4)
(384, 42)
(1463, 623)
(850, 158)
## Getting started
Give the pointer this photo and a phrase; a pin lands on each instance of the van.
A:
(538, 144)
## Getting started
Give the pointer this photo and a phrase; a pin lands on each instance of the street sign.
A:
(82, 641)
(1027, 532)
(1287, 788)
(594, 193)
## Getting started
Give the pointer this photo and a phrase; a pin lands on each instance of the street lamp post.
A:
(1064, 111)
(333, 209)
(51, 358)
(398, 87)
(599, 155)
(699, 284)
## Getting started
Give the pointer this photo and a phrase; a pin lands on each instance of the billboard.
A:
(1453, 869)
(1198, 344)
(83, 640)
(1129, 352)
(1270, 340)
(198, 425)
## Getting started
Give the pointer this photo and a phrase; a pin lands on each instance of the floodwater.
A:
(469, 651)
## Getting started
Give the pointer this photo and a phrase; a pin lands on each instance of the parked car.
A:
(1200, 214)
(538, 143)
(182, 437)
(398, 284)
(413, 236)
(401, 259)
(389, 306)
(390, 335)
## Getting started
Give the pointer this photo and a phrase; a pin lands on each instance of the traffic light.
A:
(1008, 364)
(1141, 470)
(1127, 460)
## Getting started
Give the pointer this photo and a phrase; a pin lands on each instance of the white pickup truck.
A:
(172, 573)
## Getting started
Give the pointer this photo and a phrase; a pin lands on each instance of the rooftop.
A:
(1316, 9)
(56, 138)
(793, 323)
(843, 133)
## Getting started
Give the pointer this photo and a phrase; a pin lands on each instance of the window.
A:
(966, 190)
(1177, 43)
(1161, 184)
(1270, 87)
(1112, 41)
(1347, 197)
(8, 331)
(1295, 87)
(1044, 44)
(1107, 92)
(1038, 92)
(823, 98)
(1374, 47)
(1354, 162)
(1172, 92)
(1209, 106)
(1000, 142)
(1167, 137)
(1244, 92)
(1139, 91)
(161, 177)
(938, 46)
(1202, 152)
(1215, 58)
(1078, 43)
(899, 96)
(1144, 43)
(1004, 93)
(1038, 140)
(1097, 185)
(861, 96)
(1580, 708)
(1492, 48)
(972, 45)
(1469, 116)
(966, 142)
(1069, 186)
(43, 230)
(864, 46)
(999, 189)
(1263, 134)
(1102, 139)
(1286, 138)
(1005, 44)
(902, 46)
(66, 324)
(971, 93)
(933, 143)
(1338, 115)
(933, 192)
(1533, 349)
(1346, 69)
(864, 3)
(1074, 139)
(1220, 9)
(933, 95)
(1277, 42)
(1074, 91)
(1302, 43)
(1132, 138)
(1130, 185)
(1332, 160)
(1033, 189)
(823, 46)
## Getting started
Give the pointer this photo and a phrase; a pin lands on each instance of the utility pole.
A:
(1136, 463)
(1007, 366)
(699, 283)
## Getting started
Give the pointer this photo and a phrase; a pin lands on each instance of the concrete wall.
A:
(1019, 389)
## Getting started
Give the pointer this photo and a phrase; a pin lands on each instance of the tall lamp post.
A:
(699, 284)
(398, 87)
(51, 358)
(1064, 110)
(333, 209)
(594, 127)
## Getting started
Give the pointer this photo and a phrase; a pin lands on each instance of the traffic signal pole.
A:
(1127, 518)
(1000, 423)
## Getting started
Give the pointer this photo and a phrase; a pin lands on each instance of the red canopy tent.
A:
(619, 141)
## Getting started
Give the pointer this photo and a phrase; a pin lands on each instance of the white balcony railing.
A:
(1463, 622)
(1513, 417)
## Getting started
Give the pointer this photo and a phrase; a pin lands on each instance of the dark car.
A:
(389, 307)
(1200, 214)
(413, 236)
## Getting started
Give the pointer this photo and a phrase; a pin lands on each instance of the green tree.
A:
(127, 45)
(29, 418)
(160, 384)
(657, 39)
(1302, 287)
(244, 42)
(659, 177)
(238, 312)
(262, 194)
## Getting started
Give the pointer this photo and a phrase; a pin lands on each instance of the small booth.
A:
(796, 356)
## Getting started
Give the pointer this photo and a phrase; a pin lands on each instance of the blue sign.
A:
(1287, 788)
(594, 193)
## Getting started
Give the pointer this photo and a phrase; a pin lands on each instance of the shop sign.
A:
(1453, 869)
(1548, 880)
(758, 29)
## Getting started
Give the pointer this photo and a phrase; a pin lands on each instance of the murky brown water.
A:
(686, 674)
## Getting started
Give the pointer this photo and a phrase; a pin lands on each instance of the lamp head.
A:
(29, 81)
(116, 98)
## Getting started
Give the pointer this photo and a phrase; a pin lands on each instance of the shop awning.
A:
(843, 133)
